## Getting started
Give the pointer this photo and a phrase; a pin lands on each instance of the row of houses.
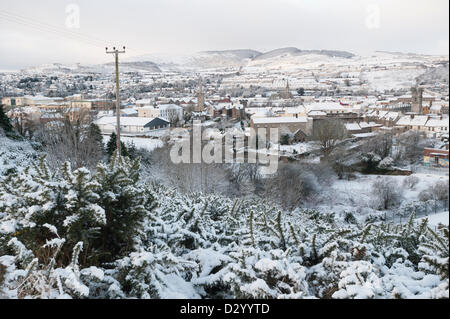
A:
(55, 103)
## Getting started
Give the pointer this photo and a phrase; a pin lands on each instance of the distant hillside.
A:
(278, 52)
(226, 58)
(242, 54)
(294, 52)
(435, 75)
(137, 66)
(199, 60)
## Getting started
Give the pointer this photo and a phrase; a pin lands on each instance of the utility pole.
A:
(116, 55)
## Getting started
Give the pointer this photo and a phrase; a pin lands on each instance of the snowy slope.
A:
(436, 219)
(15, 155)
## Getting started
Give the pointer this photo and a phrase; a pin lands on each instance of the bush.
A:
(410, 181)
(388, 193)
(284, 139)
(103, 211)
(438, 194)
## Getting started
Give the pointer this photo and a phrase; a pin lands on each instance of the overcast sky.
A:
(186, 26)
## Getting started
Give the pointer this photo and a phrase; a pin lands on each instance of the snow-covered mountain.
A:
(138, 66)
(146, 66)
(292, 51)
(199, 60)
(229, 58)
(288, 59)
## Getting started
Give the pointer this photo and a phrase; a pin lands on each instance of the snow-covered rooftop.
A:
(137, 121)
(280, 120)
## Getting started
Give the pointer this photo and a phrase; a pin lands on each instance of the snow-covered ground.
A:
(392, 79)
(15, 155)
(299, 148)
(148, 144)
(436, 219)
(357, 195)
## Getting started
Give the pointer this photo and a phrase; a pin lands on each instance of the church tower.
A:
(417, 97)
(287, 92)
(200, 107)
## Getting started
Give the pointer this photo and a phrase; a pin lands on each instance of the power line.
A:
(33, 22)
(59, 31)
(37, 27)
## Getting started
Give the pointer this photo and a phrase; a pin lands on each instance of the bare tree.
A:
(381, 144)
(329, 133)
(291, 185)
(388, 193)
(78, 142)
(437, 194)
(410, 146)
(411, 181)
(24, 124)
(189, 177)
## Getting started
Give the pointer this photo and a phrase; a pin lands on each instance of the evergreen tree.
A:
(5, 122)
(124, 203)
(284, 140)
(111, 146)
(95, 135)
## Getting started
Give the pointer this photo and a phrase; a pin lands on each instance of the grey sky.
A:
(178, 26)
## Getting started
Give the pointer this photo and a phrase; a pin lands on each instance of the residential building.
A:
(132, 125)
(435, 157)
(285, 125)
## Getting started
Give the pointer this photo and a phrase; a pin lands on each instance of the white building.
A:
(131, 125)
(437, 126)
(169, 112)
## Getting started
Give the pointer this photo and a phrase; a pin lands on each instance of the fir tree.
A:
(5, 122)
(95, 134)
(124, 203)
(111, 146)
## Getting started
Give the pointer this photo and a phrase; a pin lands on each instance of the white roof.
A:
(370, 124)
(327, 106)
(169, 107)
(294, 110)
(381, 114)
(143, 101)
(352, 126)
(418, 120)
(128, 111)
(280, 120)
(391, 115)
(315, 113)
(437, 122)
(135, 121)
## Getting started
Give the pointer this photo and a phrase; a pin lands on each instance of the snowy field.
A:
(15, 155)
(357, 196)
(392, 79)
(299, 148)
(436, 219)
(148, 144)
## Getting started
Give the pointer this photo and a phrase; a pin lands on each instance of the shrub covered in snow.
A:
(76, 234)
(387, 192)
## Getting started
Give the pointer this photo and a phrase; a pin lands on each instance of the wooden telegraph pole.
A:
(116, 55)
